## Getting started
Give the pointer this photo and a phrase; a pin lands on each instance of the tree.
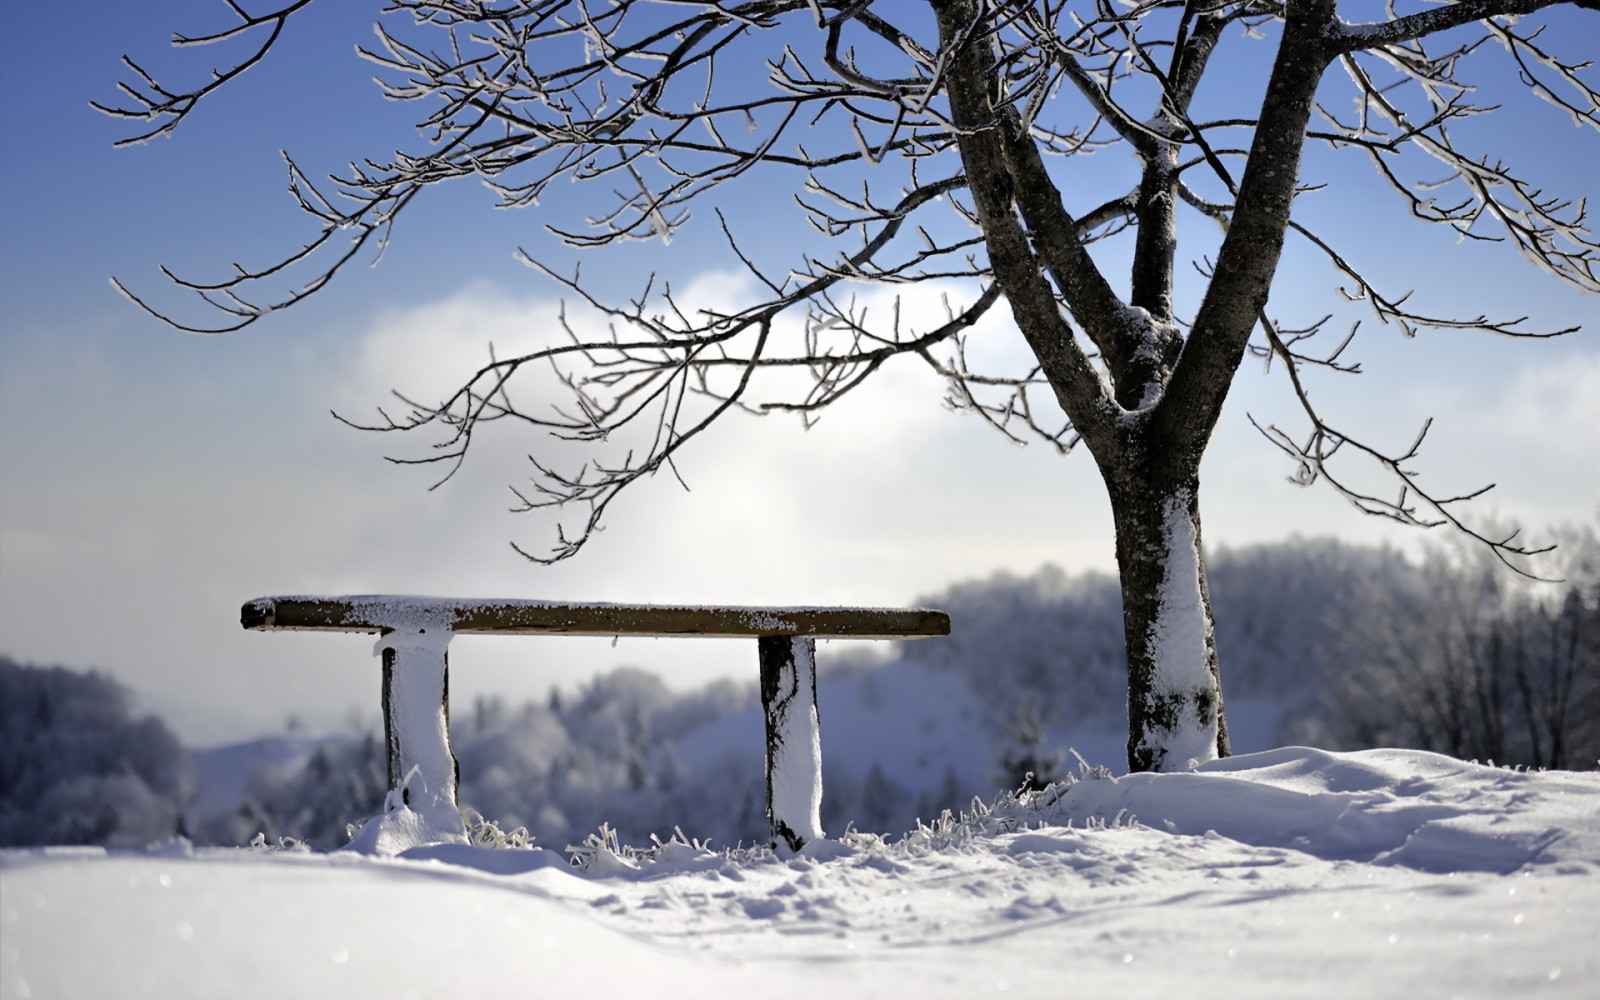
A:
(1463, 662)
(78, 766)
(947, 144)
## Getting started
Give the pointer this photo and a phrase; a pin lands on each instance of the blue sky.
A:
(151, 481)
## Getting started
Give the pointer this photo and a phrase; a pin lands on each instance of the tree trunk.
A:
(1175, 711)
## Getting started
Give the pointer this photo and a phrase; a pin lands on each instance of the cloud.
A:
(1502, 413)
(1555, 404)
(160, 512)
(1538, 439)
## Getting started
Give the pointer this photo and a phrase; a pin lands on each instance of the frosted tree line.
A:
(79, 766)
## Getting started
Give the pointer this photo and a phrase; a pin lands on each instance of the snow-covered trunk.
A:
(1175, 711)
(421, 807)
(794, 739)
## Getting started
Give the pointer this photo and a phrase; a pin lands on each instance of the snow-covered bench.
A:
(415, 632)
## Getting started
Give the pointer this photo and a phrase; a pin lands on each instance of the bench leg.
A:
(794, 739)
(423, 770)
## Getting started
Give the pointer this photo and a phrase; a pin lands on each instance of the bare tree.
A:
(944, 145)
(1463, 661)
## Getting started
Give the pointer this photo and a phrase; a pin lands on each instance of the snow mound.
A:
(1404, 807)
(1292, 872)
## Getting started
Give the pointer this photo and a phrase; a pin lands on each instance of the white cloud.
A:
(1534, 432)
(1555, 404)
(1504, 413)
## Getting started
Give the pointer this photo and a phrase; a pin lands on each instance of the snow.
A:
(1178, 643)
(1293, 872)
(767, 619)
(422, 809)
(413, 615)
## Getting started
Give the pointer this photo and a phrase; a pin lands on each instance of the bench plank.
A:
(503, 617)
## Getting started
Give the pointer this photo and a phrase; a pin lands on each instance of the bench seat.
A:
(510, 617)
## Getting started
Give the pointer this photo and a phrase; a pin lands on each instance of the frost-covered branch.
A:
(166, 109)
(1408, 99)
(1411, 504)
(662, 375)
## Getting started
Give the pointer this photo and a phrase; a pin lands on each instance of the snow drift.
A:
(1290, 872)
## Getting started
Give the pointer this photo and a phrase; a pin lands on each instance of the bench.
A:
(414, 634)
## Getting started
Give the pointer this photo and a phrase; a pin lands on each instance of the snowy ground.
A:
(1290, 873)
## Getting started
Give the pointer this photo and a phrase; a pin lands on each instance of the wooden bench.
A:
(415, 631)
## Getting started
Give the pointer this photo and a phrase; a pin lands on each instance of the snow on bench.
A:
(414, 632)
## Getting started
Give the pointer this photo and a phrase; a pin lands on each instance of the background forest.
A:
(1323, 643)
